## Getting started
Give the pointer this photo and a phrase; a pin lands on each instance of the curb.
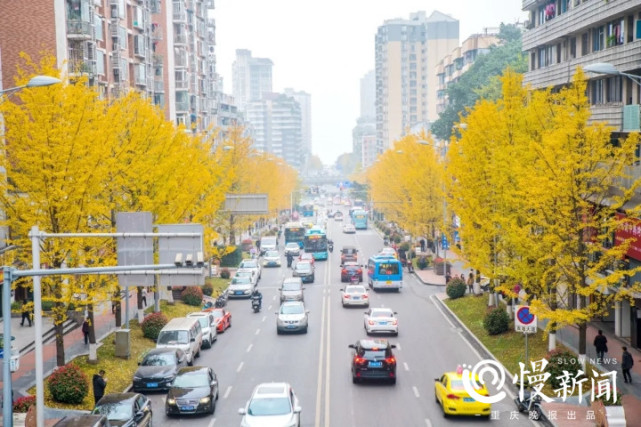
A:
(426, 283)
(468, 335)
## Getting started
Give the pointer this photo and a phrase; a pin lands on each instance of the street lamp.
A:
(7, 409)
(610, 70)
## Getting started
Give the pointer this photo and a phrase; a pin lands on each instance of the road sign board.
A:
(445, 244)
(524, 320)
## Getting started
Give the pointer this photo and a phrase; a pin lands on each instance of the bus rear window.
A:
(388, 269)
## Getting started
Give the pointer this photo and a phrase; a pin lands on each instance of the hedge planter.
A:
(439, 267)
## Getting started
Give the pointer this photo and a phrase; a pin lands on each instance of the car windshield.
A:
(117, 411)
(303, 267)
(204, 321)
(292, 246)
(173, 337)
(159, 360)
(217, 313)
(269, 406)
(192, 379)
(240, 281)
(381, 313)
(355, 290)
(352, 267)
(349, 251)
(291, 286)
(374, 354)
(243, 274)
(292, 309)
(272, 254)
(249, 264)
(458, 385)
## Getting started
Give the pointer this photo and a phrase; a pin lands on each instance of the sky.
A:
(325, 47)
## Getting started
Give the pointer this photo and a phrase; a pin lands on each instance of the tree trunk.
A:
(553, 305)
(118, 311)
(141, 307)
(583, 331)
(232, 235)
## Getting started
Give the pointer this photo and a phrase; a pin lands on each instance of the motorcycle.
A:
(530, 405)
(256, 304)
(330, 246)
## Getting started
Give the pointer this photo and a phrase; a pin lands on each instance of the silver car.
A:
(252, 264)
(381, 320)
(292, 290)
(208, 325)
(240, 287)
(271, 259)
(271, 404)
(292, 248)
(355, 295)
(292, 317)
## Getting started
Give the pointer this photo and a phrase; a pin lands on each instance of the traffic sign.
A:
(524, 320)
(445, 244)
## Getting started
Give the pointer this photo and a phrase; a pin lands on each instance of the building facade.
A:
(407, 52)
(365, 130)
(563, 35)
(160, 48)
(304, 99)
(251, 78)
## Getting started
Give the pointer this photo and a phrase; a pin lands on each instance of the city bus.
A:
(308, 210)
(384, 272)
(295, 232)
(315, 243)
(359, 218)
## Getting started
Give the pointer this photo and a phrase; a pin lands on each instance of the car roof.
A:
(303, 262)
(292, 280)
(83, 420)
(266, 390)
(385, 309)
(368, 343)
(272, 251)
(245, 270)
(198, 314)
(112, 398)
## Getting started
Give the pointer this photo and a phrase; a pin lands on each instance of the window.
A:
(614, 89)
(584, 43)
(572, 47)
(596, 91)
(598, 39)
(99, 30)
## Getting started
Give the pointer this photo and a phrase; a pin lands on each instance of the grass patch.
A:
(119, 372)
(219, 285)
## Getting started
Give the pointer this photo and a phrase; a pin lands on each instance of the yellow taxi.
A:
(454, 400)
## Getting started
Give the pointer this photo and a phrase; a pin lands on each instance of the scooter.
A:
(330, 246)
(530, 405)
(256, 304)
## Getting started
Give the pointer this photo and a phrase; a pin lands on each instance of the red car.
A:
(306, 257)
(222, 317)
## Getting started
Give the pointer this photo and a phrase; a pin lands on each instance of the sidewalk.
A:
(429, 277)
(105, 323)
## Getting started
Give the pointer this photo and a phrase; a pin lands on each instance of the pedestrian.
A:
(143, 292)
(422, 242)
(626, 365)
(85, 331)
(99, 385)
(448, 276)
(470, 282)
(600, 344)
(26, 312)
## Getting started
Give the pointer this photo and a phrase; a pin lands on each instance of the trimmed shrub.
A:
(560, 361)
(208, 289)
(68, 384)
(224, 273)
(496, 321)
(422, 263)
(455, 288)
(23, 404)
(405, 246)
(152, 324)
(192, 295)
(232, 259)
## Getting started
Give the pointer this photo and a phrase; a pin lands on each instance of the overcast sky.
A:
(325, 47)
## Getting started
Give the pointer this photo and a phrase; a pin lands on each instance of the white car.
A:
(292, 248)
(292, 317)
(271, 259)
(208, 325)
(271, 404)
(251, 264)
(349, 229)
(381, 320)
(387, 251)
(354, 295)
(247, 272)
(240, 287)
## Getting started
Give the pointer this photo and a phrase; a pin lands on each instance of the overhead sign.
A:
(169, 247)
(246, 204)
(524, 320)
(135, 250)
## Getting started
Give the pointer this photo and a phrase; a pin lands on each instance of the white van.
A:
(183, 333)
(268, 243)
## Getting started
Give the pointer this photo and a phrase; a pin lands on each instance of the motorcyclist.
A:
(290, 259)
(257, 296)
(330, 245)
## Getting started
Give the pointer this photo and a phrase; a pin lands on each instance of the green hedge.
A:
(455, 288)
(232, 259)
(68, 384)
(496, 321)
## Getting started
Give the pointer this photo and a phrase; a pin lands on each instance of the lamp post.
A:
(610, 70)
(7, 399)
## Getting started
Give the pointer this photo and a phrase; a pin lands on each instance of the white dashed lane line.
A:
(415, 391)
(264, 318)
(407, 368)
(250, 348)
(240, 367)
(257, 331)
(226, 395)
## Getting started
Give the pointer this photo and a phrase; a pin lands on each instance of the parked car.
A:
(158, 369)
(251, 264)
(373, 359)
(125, 409)
(354, 295)
(271, 404)
(208, 326)
(194, 391)
(292, 317)
(292, 248)
(292, 290)
(222, 317)
(304, 270)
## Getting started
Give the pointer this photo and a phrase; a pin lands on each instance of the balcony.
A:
(179, 16)
(180, 39)
(156, 33)
(79, 30)
(182, 106)
(141, 80)
(158, 60)
(80, 67)
(159, 86)
(182, 84)
(611, 114)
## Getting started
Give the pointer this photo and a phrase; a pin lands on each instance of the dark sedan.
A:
(158, 369)
(125, 409)
(351, 269)
(195, 391)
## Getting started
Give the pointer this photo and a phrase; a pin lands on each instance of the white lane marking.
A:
(398, 347)
(319, 380)
(226, 395)
(428, 423)
(415, 390)
(250, 348)
(240, 367)
(257, 331)
(328, 359)
(269, 308)
(211, 423)
(274, 298)
(407, 368)
(264, 318)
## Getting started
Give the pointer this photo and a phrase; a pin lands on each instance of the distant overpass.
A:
(324, 179)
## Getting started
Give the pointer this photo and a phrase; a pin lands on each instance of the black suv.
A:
(373, 358)
(349, 253)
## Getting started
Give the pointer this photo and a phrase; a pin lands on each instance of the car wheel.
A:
(197, 353)
(191, 362)
(355, 380)
(213, 406)
(393, 381)
(305, 330)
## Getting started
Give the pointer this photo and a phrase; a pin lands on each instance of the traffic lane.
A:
(292, 358)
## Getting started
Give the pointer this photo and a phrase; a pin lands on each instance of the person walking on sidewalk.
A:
(85, 331)
(470, 282)
(99, 385)
(26, 312)
(600, 344)
(626, 365)
(144, 296)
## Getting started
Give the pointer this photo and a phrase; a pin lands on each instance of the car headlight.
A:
(137, 378)
(247, 292)
(204, 400)
(171, 401)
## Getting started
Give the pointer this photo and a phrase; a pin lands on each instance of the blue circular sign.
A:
(524, 315)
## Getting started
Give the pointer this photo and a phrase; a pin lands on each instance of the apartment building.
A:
(452, 66)
(251, 78)
(562, 35)
(407, 52)
(160, 48)
(276, 125)
(365, 130)
(304, 99)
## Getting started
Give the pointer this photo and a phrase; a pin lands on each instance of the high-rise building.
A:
(304, 99)
(276, 125)
(251, 78)
(368, 95)
(365, 130)
(161, 48)
(407, 52)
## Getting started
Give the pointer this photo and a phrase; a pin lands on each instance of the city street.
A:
(317, 364)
